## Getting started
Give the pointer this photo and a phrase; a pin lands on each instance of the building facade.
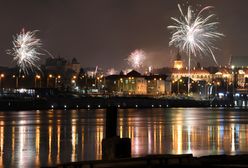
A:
(133, 83)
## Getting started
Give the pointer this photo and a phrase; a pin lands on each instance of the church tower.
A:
(178, 63)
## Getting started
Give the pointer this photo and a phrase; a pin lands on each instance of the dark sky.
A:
(105, 32)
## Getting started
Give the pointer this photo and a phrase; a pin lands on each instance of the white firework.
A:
(136, 58)
(195, 33)
(111, 71)
(26, 51)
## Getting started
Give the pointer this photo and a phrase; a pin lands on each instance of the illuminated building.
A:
(178, 63)
(156, 84)
(242, 78)
(224, 73)
(239, 66)
(133, 83)
(196, 74)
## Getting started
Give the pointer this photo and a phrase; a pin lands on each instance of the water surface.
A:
(41, 138)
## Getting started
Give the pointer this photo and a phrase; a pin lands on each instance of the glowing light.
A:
(26, 51)
(136, 58)
(195, 33)
(111, 71)
(37, 76)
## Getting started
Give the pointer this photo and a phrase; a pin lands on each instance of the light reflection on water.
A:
(40, 138)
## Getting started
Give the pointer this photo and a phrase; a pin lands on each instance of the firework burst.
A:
(195, 33)
(111, 71)
(26, 51)
(136, 58)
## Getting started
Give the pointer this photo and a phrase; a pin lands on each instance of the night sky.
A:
(105, 32)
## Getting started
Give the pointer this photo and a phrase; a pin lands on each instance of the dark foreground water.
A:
(40, 138)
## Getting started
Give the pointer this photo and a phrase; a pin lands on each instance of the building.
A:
(133, 83)
(156, 84)
(74, 65)
(178, 63)
(239, 66)
(196, 74)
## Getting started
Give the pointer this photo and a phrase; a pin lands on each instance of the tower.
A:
(178, 63)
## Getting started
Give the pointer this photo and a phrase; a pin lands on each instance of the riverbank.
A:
(164, 161)
(72, 102)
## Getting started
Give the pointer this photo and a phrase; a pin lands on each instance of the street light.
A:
(37, 77)
(16, 80)
(56, 80)
(1, 78)
(74, 77)
(49, 76)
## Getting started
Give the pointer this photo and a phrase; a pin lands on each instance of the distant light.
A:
(152, 105)
(65, 106)
(88, 106)
(136, 105)
(221, 94)
(52, 106)
(160, 105)
(99, 106)
(243, 103)
(118, 105)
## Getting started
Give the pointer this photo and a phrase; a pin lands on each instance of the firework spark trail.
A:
(136, 58)
(26, 51)
(195, 33)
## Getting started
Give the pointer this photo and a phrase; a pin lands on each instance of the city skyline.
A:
(105, 33)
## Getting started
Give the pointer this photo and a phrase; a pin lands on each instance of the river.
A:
(42, 138)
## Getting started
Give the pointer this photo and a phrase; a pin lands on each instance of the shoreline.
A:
(46, 103)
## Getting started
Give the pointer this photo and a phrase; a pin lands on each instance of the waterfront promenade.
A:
(93, 102)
